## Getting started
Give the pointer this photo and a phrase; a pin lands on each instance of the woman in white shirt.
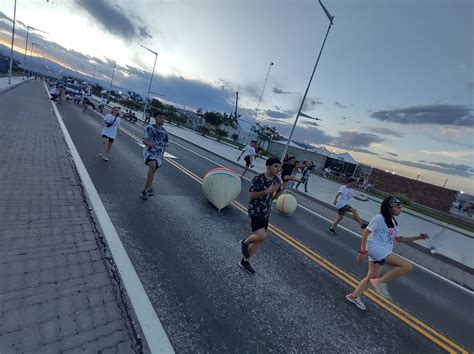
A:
(377, 244)
(109, 132)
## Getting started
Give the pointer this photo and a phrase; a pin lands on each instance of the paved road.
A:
(186, 254)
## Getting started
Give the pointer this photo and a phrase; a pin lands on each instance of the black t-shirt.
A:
(286, 170)
(261, 206)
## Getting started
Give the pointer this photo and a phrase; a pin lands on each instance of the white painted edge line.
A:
(155, 335)
(350, 231)
(324, 218)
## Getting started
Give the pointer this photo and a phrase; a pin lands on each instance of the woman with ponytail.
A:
(377, 244)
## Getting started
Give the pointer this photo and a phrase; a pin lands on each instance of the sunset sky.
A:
(394, 86)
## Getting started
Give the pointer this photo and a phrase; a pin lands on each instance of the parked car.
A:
(73, 89)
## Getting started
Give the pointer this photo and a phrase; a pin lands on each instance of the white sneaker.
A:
(356, 301)
(380, 288)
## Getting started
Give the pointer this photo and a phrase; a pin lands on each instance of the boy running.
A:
(261, 191)
(341, 201)
(155, 138)
(109, 132)
(248, 153)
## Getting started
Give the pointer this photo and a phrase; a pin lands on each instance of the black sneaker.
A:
(245, 249)
(364, 225)
(143, 195)
(150, 192)
(332, 231)
(246, 265)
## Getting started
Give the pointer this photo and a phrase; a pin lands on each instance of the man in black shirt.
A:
(286, 171)
(262, 190)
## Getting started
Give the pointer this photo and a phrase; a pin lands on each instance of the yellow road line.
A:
(386, 304)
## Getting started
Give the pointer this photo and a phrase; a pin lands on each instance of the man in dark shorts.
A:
(286, 172)
(261, 192)
(155, 138)
(341, 201)
(248, 154)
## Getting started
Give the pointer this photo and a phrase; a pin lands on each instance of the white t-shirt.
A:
(54, 91)
(248, 151)
(381, 238)
(346, 194)
(111, 132)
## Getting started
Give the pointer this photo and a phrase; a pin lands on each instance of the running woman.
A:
(377, 244)
(155, 138)
(341, 201)
(263, 187)
(109, 132)
(248, 153)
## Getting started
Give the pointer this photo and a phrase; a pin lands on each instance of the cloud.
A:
(458, 155)
(281, 92)
(442, 114)
(314, 124)
(113, 19)
(386, 131)
(449, 169)
(340, 105)
(277, 114)
(351, 138)
(310, 103)
(392, 153)
(470, 84)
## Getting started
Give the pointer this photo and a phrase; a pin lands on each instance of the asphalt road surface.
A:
(186, 254)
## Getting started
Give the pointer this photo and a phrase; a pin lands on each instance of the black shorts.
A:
(247, 161)
(342, 211)
(258, 222)
(379, 262)
(150, 160)
(111, 140)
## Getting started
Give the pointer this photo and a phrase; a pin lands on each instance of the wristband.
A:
(363, 251)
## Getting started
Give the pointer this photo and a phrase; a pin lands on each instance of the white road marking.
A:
(154, 333)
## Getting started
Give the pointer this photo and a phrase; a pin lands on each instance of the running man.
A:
(287, 171)
(248, 153)
(341, 201)
(377, 244)
(307, 169)
(109, 132)
(155, 138)
(263, 187)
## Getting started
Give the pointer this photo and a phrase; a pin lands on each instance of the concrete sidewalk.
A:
(59, 289)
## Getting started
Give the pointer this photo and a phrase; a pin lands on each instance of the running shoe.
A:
(356, 301)
(364, 225)
(245, 249)
(246, 265)
(380, 288)
(332, 231)
(143, 195)
(100, 155)
(150, 192)
(105, 158)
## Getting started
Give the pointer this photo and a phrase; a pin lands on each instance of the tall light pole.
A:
(151, 79)
(11, 48)
(111, 80)
(31, 53)
(26, 47)
(330, 18)
(261, 95)
(93, 75)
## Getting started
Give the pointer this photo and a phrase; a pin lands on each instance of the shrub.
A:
(403, 198)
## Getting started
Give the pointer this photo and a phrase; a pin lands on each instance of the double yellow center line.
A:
(386, 304)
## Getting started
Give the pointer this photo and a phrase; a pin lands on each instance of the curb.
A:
(12, 86)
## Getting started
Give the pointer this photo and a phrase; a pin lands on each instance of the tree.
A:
(220, 133)
(265, 132)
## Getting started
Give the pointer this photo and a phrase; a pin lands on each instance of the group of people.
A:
(378, 235)
(155, 139)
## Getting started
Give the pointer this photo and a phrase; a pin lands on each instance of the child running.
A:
(377, 244)
(248, 153)
(155, 138)
(109, 132)
(261, 191)
(341, 201)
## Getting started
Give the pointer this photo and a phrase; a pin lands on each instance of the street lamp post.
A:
(11, 48)
(93, 75)
(31, 53)
(26, 47)
(330, 18)
(111, 80)
(151, 79)
(261, 95)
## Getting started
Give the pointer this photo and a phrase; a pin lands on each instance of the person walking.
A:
(109, 132)
(377, 245)
(341, 201)
(248, 153)
(264, 186)
(155, 138)
(307, 169)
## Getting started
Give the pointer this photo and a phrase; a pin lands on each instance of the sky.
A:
(394, 86)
